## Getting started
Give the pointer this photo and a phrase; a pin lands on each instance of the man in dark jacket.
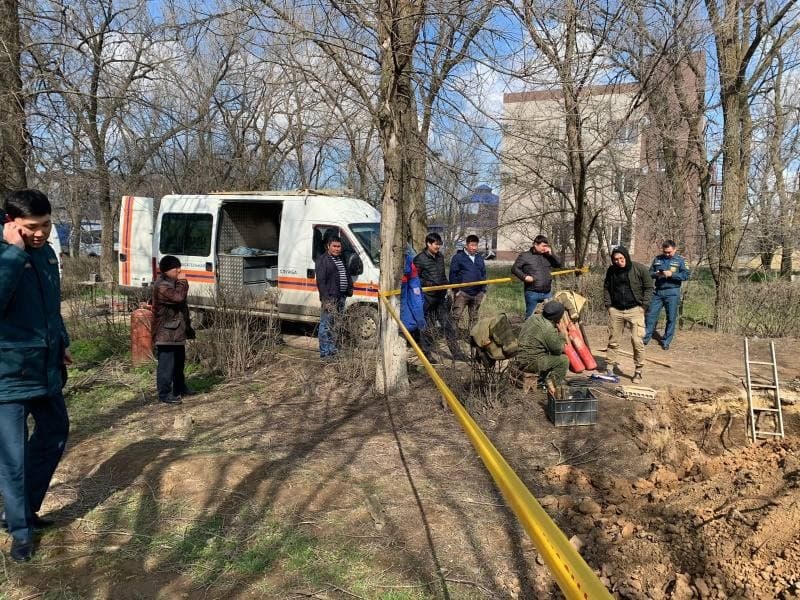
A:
(335, 285)
(669, 270)
(468, 265)
(533, 268)
(430, 265)
(541, 346)
(171, 328)
(627, 291)
(33, 352)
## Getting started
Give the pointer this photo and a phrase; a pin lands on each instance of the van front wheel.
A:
(363, 325)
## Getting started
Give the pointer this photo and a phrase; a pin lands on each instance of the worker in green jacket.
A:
(541, 346)
(33, 352)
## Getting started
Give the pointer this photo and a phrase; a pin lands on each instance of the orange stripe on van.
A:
(199, 276)
(126, 240)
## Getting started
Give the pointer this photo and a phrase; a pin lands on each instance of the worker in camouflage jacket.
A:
(541, 346)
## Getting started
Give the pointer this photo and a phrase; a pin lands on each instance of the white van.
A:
(259, 247)
(55, 243)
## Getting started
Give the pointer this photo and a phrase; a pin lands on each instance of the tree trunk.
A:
(391, 375)
(735, 161)
(416, 153)
(13, 131)
(789, 230)
(398, 29)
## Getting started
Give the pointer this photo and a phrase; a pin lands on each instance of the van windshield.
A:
(369, 236)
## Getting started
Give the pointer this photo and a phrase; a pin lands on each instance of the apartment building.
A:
(640, 183)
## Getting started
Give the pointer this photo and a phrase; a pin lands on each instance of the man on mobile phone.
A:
(33, 350)
(669, 270)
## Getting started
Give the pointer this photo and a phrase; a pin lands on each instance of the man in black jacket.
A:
(335, 285)
(430, 265)
(627, 291)
(533, 269)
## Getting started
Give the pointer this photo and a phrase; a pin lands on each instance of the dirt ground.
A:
(665, 497)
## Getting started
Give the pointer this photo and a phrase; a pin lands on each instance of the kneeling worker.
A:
(541, 346)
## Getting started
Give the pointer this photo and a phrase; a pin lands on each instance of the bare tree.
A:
(747, 37)
(575, 42)
(395, 58)
(13, 134)
(784, 143)
(96, 64)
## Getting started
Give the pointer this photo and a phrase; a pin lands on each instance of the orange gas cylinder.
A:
(583, 351)
(141, 335)
(575, 363)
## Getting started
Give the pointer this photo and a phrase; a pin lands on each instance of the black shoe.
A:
(37, 523)
(186, 392)
(21, 550)
(170, 399)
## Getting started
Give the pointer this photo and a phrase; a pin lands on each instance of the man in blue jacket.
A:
(669, 270)
(467, 265)
(412, 304)
(33, 351)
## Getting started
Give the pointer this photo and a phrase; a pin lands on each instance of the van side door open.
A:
(136, 256)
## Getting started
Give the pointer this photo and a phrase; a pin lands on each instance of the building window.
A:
(618, 235)
(625, 132)
(627, 181)
(563, 184)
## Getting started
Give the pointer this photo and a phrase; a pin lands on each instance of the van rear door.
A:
(136, 241)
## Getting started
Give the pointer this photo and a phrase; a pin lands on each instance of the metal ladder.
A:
(772, 389)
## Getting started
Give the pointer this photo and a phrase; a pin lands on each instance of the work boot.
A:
(170, 399)
(637, 376)
(21, 550)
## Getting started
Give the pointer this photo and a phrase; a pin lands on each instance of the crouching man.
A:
(541, 347)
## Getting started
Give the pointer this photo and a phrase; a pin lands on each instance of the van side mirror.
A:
(354, 265)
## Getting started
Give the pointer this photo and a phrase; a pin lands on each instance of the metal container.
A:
(578, 408)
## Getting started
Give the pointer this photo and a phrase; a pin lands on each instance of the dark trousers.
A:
(27, 463)
(169, 375)
(438, 309)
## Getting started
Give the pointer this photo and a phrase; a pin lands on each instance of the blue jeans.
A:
(532, 299)
(331, 311)
(668, 299)
(27, 463)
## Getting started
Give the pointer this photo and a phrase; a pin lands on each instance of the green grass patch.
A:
(246, 545)
(89, 407)
(95, 345)
(503, 297)
(201, 382)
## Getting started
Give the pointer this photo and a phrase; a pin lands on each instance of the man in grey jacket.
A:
(534, 269)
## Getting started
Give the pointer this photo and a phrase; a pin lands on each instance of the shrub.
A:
(769, 309)
(239, 340)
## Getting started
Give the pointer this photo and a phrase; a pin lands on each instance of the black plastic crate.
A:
(579, 407)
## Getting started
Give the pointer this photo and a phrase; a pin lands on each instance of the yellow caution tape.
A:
(454, 286)
(574, 577)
